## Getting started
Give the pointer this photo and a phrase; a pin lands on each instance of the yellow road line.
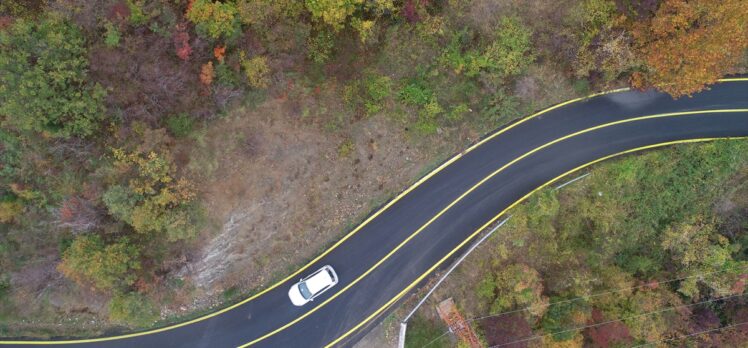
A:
(346, 237)
(463, 195)
(495, 218)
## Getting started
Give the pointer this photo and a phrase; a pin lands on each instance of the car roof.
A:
(319, 281)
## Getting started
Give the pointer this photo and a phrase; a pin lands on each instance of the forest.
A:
(125, 123)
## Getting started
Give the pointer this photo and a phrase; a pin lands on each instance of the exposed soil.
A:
(284, 191)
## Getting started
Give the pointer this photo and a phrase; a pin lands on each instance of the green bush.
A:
(4, 285)
(44, 85)
(590, 17)
(562, 317)
(501, 107)
(416, 93)
(226, 76)
(132, 309)
(89, 259)
(180, 125)
(509, 54)
(378, 88)
(320, 46)
(138, 14)
(111, 35)
(346, 148)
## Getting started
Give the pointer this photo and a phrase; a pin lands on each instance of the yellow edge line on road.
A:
(464, 194)
(495, 218)
(347, 236)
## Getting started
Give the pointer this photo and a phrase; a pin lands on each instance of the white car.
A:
(312, 286)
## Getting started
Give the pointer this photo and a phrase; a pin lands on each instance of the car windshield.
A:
(304, 291)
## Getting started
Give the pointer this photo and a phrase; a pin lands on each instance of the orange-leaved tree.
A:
(689, 44)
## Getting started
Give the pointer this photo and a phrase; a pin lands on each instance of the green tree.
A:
(603, 45)
(107, 266)
(44, 86)
(563, 316)
(332, 12)
(696, 248)
(590, 17)
(214, 18)
(514, 286)
(132, 309)
(153, 201)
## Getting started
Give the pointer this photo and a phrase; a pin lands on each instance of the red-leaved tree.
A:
(182, 42)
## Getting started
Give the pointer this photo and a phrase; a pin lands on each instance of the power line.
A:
(605, 293)
(532, 338)
(699, 275)
(731, 326)
(436, 339)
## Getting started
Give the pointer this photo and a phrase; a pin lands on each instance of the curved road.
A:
(398, 246)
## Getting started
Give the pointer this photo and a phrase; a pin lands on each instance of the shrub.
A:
(590, 17)
(206, 74)
(10, 208)
(180, 125)
(509, 54)
(138, 15)
(226, 76)
(111, 35)
(416, 93)
(256, 70)
(457, 112)
(132, 309)
(346, 148)
(514, 286)
(43, 79)
(319, 47)
(378, 88)
(501, 107)
(182, 43)
(4, 285)
(107, 267)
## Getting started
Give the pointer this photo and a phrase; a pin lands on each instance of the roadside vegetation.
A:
(136, 133)
(654, 244)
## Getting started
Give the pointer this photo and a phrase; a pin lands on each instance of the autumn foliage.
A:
(181, 43)
(220, 53)
(207, 73)
(689, 44)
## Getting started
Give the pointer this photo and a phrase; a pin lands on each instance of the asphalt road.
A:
(421, 229)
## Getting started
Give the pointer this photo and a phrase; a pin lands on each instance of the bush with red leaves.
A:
(412, 9)
(182, 42)
(78, 214)
(610, 334)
